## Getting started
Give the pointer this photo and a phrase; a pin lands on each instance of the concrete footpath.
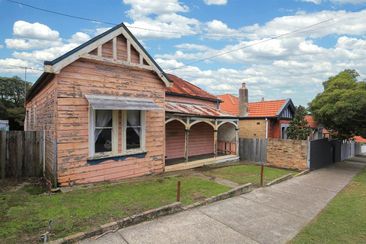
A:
(267, 215)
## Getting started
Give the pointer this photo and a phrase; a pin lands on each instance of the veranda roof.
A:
(121, 103)
(194, 109)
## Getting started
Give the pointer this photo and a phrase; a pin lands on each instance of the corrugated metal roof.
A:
(121, 103)
(185, 88)
(194, 109)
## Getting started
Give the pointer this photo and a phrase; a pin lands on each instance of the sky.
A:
(279, 48)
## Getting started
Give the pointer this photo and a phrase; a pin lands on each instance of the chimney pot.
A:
(262, 99)
(243, 100)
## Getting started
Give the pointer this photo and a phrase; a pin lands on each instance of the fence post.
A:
(44, 153)
(2, 153)
(178, 191)
(262, 172)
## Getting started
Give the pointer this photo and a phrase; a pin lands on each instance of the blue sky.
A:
(180, 32)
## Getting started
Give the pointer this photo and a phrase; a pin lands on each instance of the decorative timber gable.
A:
(117, 46)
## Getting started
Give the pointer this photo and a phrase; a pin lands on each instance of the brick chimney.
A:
(243, 101)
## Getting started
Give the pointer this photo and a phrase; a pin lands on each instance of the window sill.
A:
(116, 157)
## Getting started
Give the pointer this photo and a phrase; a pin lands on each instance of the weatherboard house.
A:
(110, 112)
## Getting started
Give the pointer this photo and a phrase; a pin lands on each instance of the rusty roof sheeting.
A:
(185, 88)
(194, 109)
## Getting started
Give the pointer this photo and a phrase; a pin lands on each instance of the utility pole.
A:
(25, 83)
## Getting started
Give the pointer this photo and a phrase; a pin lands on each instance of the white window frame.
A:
(115, 121)
(142, 137)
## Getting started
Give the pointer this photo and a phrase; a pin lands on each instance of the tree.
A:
(12, 97)
(299, 128)
(341, 107)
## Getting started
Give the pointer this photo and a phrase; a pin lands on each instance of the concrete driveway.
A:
(268, 215)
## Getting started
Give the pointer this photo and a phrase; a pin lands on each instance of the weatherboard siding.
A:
(83, 77)
(42, 116)
(175, 140)
(201, 139)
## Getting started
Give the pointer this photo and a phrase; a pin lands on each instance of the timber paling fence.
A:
(253, 149)
(22, 154)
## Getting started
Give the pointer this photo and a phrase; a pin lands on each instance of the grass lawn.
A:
(247, 173)
(343, 220)
(24, 214)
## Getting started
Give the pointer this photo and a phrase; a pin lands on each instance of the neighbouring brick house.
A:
(263, 119)
(111, 113)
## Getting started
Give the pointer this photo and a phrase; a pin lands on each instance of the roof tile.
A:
(230, 105)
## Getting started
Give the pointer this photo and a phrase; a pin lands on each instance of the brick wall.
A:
(291, 154)
(252, 128)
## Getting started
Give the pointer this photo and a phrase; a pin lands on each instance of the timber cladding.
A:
(84, 77)
(252, 128)
(290, 154)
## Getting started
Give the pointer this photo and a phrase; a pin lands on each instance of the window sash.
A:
(93, 128)
(141, 127)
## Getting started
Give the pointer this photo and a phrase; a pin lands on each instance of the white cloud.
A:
(160, 19)
(34, 31)
(79, 37)
(293, 67)
(215, 2)
(143, 8)
(192, 46)
(24, 44)
(45, 54)
(164, 26)
(12, 65)
(313, 1)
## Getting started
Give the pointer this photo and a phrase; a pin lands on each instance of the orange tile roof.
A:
(359, 139)
(230, 105)
(311, 122)
(183, 87)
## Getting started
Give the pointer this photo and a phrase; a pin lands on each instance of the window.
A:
(103, 131)
(103, 134)
(134, 130)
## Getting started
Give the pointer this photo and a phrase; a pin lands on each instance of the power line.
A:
(300, 30)
(111, 23)
(19, 67)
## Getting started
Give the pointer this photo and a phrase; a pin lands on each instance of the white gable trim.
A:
(56, 68)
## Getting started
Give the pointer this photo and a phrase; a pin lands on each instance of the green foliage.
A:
(341, 107)
(12, 97)
(299, 128)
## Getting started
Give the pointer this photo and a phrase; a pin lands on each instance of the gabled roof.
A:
(54, 66)
(184, 88)
(262, 109)
(230, 104)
